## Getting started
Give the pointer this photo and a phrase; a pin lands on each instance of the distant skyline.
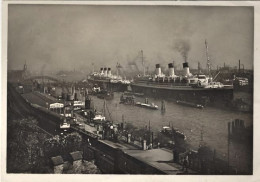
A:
(68, 37)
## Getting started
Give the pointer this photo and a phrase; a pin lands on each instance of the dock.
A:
(120, 157)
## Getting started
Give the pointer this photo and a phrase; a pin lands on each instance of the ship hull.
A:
(115, 87)
(213, 95)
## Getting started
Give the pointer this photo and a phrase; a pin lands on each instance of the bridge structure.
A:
(47, 82)
(44, 81)
(42, 78)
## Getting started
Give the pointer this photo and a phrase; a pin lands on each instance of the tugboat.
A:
(105, 95)
(185, 103)
(134, 93)
(172, 132)
(149, 106)
(130, 100)
(127, 99)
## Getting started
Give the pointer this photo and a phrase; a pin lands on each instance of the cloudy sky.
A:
(54, 37)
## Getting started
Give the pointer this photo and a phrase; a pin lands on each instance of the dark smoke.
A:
(183, 47)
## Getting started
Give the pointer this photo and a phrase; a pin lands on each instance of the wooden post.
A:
(228, 143)
(152, 139)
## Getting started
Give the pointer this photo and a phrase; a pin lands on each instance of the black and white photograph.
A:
(129, 89)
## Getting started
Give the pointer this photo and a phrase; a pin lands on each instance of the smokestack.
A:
(101, 71)
(87, 103)
(109, 72)
(105, 71)
(75, 96)
(158, 70)
(72, 90)
(171, 69)
(239, 66)
(186, 69)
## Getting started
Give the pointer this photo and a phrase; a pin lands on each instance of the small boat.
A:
(149, 106)
(99, 118)
(172, 132)
(105, 95)
(127, 99)
(190, 104)
(134, 93)
(64, 125)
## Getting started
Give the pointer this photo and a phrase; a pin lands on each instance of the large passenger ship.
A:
(106, 79)
(199, 88)
(182, 87)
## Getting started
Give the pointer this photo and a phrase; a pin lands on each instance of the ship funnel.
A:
(109, 72)
(171, 69)
(186, 69)
(158, 70)
(105, 71)
(101, 71)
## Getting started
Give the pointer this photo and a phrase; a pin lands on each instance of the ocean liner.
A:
(199, 88)
(108, 81)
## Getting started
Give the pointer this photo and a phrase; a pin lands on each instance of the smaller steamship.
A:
(106, 79)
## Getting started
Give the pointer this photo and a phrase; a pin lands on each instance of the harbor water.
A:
(208, 124)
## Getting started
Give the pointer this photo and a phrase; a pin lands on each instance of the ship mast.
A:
(208, 61)
(199, 71)
(142, 56)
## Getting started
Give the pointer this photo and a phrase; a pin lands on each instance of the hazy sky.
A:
(68, 37)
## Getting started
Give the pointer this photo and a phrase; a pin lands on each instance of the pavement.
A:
(158, 158)
(121, 145)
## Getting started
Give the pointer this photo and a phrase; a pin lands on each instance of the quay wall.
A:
(115, 161)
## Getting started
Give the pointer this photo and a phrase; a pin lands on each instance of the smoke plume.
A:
(183, 47)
